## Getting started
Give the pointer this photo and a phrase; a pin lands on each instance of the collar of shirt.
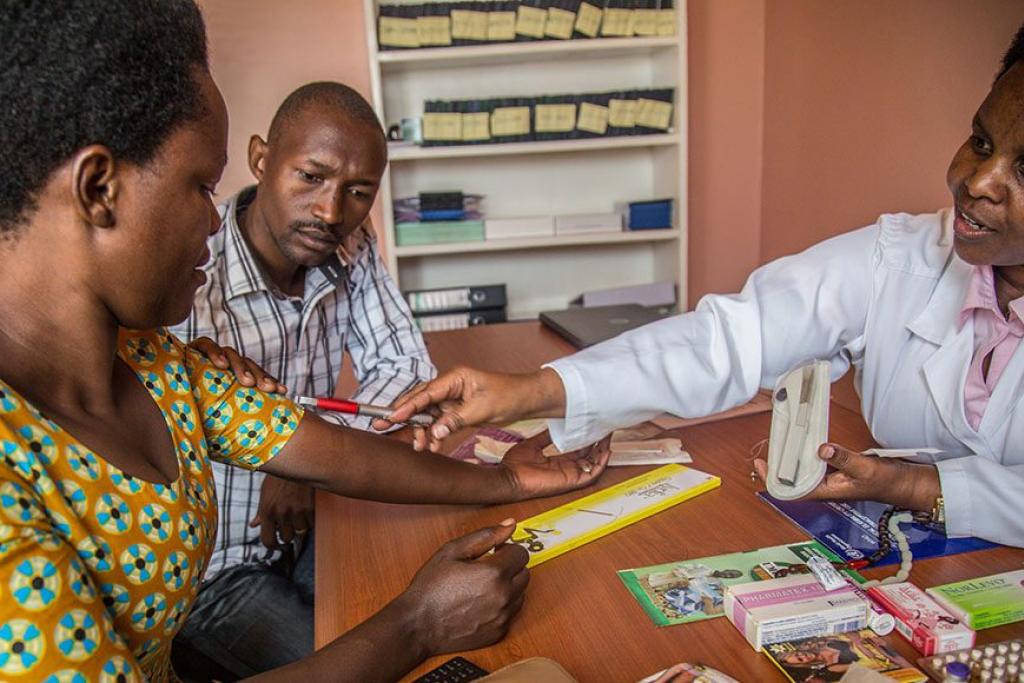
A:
(243, 274)
(981, 295)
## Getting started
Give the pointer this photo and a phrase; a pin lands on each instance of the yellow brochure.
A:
(569, 526)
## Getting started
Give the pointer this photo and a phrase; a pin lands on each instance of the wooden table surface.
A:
(577, 610)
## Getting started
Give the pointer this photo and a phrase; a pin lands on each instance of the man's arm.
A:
(388, 354)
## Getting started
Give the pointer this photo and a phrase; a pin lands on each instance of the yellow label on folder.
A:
(593, 118)
(530, 21)
(622, 113)
(666, 22)
(554, 118)
(501, 26)
(469, 25)
(617, 22)
(476, 127)
(569, 526)
(434, 31)
(510, 121)
(588, 20)
(645, 22)
(442, 126)
(398, 32)
(653, 113)
(559, 24)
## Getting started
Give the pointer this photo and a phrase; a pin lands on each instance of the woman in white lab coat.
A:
(926, 308)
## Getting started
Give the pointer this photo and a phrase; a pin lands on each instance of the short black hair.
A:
(1014, 54)
(338, 96)
(119, 73)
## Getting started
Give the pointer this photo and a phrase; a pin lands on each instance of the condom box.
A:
(986, 601)
(791, 608)
(927, 625)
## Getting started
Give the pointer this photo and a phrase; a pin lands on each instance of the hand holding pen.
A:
(338, 405)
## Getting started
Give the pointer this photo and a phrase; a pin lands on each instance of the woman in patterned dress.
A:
(112, 138)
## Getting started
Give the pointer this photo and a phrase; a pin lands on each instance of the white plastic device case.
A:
(799, 426)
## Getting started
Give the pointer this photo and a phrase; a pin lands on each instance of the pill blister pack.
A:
(1001, 662)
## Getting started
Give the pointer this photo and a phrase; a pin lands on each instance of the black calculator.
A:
(455, 670)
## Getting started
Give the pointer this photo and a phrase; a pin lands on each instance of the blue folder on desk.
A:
(851, 529)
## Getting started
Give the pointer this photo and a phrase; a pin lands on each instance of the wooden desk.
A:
(577, 611)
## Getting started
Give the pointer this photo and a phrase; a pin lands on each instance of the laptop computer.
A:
(588, 326)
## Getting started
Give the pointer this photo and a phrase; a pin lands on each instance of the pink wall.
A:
(264, 49)
(866, 102)
(726, 137)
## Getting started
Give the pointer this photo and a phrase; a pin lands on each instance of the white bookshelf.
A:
(538, 178)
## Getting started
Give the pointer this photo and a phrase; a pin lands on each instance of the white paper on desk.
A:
(649, 452)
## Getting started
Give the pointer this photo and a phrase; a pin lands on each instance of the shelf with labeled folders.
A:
(527, 142)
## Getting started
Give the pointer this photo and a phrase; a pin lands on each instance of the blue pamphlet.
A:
(851, 529)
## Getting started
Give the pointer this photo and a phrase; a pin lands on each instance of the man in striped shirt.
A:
(294, 281)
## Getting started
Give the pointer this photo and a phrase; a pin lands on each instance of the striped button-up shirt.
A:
(348, 305)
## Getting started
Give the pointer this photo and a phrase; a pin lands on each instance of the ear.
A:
(257, 157)
(95, 185)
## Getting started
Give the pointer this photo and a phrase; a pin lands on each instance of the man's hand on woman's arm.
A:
(246, 370)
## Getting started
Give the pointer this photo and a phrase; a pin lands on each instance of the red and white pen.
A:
(339, 405)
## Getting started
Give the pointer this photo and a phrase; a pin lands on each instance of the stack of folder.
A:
(547, 117)
(451, 24)
(457, 307)
(438, 218)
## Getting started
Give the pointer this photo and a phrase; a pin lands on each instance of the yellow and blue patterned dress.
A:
(98, 569)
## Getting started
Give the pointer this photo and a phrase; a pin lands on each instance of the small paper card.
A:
(588, 19)
(501, 26)
(653, 113)
(442, 126)
(622, 113)
(559, 24)
(617, 22)
(469, 25)
(593, 118)
(398, 32)
(555, 118)
(434, 31)
(530, 21)
(510, 121)
(476, 127)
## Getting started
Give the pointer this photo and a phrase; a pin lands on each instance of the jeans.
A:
(248, 619)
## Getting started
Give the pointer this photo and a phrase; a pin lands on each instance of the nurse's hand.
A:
(857, 476)
(464, 397)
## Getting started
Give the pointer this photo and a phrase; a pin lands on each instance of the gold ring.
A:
(585, 466)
